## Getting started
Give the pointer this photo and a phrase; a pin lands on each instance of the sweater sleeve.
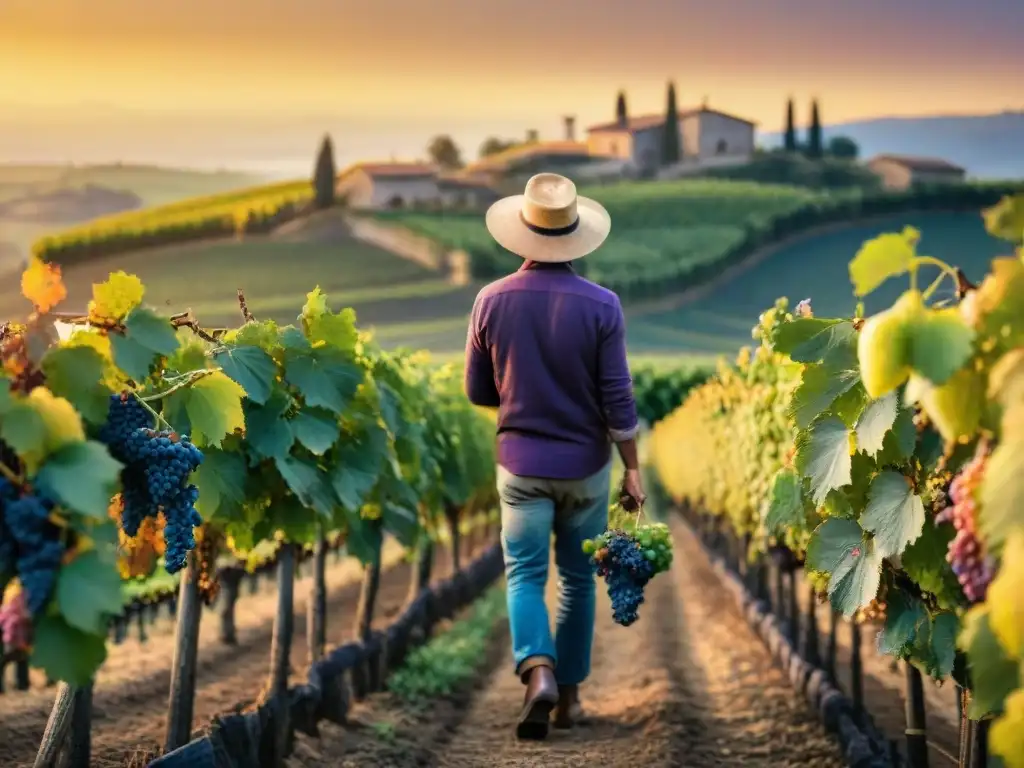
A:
(479, 370)
(614, 382)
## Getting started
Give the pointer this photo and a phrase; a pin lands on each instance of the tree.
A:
(790, 139)
(814, 145)
(843, 147)
(324, 175)
(670, 151)
(445, 152)
(621, 114)
(493, 145)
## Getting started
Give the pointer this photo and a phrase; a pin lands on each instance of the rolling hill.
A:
(988, 146)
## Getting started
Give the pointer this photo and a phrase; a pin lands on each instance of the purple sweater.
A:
(548, 349)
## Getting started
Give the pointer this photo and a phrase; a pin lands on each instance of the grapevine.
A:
(888, 452)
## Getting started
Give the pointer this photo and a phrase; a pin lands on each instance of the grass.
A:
(451, 659)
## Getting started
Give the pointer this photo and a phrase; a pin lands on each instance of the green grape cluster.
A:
(654, 540)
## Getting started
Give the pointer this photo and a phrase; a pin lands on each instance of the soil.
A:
(689, 684)
(130, 695)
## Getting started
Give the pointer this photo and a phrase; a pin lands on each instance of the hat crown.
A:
(549, 201)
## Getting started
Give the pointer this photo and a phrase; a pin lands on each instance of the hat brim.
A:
(507, 228)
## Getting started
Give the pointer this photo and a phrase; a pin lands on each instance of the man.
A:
(547, 348)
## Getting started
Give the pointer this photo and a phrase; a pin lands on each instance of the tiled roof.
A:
(916, 163)
(501, 160)
(463, 182)
(644, 122)
(393, 170)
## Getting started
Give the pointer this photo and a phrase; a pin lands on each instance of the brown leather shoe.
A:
(541, 698)
(569, 710)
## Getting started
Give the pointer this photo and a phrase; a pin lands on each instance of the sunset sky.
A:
(517, 63)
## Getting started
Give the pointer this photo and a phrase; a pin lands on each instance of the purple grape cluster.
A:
(973, 567)
(155, 477)
(626, 570)
(30, 543)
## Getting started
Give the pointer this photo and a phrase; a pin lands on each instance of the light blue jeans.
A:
(532, 508)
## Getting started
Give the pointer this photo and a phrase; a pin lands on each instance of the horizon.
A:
(261, 81)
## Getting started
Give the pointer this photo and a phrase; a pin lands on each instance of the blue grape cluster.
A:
(125, 414)
(155, 477)
(31, 545)
(626, 570)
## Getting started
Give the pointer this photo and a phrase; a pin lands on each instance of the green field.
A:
(814, 268)
(661, 230)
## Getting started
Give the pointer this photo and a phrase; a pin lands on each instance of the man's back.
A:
(549, 347)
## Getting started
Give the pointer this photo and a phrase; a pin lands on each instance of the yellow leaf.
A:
(115, 298)
(882, 257)
(316, 303)
(41, 284)
(1006, 609)
(214, 408)
(1006, 736)
(63, 424)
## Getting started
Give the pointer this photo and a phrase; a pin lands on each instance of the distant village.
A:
(629, 147)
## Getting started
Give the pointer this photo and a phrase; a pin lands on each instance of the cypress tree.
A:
(790, 138)
(670, 150)
(324, 175)
(814, 145)
(621, 115)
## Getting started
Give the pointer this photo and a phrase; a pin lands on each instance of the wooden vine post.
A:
(451, 513)
(181, 698)
(363, 674)
(420, 573)
(57, 727)
(281, 648)
(316, 607)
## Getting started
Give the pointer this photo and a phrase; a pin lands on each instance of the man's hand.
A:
(631, 495)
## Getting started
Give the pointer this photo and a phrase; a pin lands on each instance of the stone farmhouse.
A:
(380, 186)
(706, 137)
(905, 171)
(612, 151)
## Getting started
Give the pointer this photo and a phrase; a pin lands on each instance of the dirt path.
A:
(130, 697)
(689, 684)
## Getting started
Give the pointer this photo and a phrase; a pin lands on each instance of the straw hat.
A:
(548, 222)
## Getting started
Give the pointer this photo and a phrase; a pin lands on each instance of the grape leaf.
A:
(1006, 609)
(1006, 379)
(1002, 490)
(81, 476)
(816, 340)
(358, 468)
(883, 257)
(998, 301)
(76, 374)
(268, 434)
(1005, 220)
(899, 442)
(145, 336)
(894, 513)
(316, 429)
(41, 284)
(23, 428)
(994, 675)
(1006, 734)
(65, 652)
(924, 561)
(89, 592)
(324, 379)
(820, 385)
(6, 398)
(363, 538)
(851, 404)
(390, 409)
(221, 483)
(875, 421)
(855, 581)
(832, 542)
(402, 521)
(944, 628)
(940, 344)
(786, 504)
(214, 408)
(115, 297)
(335, 330)
(823, 456)
(903, 615)
(308, 484)
(250, 367)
